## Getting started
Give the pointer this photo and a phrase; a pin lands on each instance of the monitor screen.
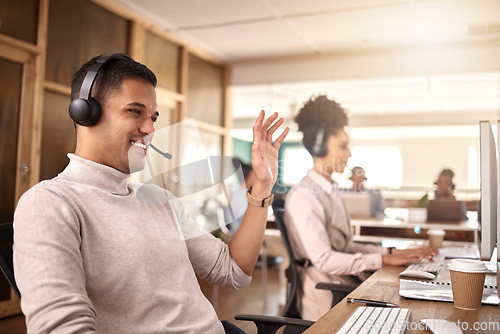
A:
(488, 168)
(357, 204)
(498, 218)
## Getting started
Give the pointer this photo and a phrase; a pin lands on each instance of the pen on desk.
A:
(369, 302)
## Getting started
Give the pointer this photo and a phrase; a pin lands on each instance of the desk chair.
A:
(290, 315)
(339, 291)
(6, 254)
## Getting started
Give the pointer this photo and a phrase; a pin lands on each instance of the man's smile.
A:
(141, 143)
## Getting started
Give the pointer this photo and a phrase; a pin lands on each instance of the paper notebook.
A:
(440, 291)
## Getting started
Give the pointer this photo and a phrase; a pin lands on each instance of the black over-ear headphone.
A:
(450, 174)
(85, 110)
(319, 148)
(452, 185)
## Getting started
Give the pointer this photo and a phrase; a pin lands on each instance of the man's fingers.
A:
(273, 128)
(265, 129)
(270, 120)
(267, 124)
(279, 140)
(258, 123)
(257, 127)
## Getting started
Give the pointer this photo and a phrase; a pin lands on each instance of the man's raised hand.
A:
(265, 153)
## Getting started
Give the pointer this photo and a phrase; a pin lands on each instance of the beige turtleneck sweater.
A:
(95, 253)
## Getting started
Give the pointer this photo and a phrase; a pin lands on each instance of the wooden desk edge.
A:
(384, 285)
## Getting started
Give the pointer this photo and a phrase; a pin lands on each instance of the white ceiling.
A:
(389, 62)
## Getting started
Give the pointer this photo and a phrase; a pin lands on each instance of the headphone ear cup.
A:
(452, 185)
(320, 150)
(85, 112)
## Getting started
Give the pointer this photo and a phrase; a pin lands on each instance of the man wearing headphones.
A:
(318, 224)
(377, 202)
(96, 253)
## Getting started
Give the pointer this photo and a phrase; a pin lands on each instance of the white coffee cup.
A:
(436, 237)
(468, 265)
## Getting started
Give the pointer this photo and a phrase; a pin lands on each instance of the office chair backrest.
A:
(290, 309)
(6, 254)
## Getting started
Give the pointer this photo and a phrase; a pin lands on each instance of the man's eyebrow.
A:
(136, 104)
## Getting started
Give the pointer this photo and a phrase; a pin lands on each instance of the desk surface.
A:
(384, 285)
(466, 225)
(465, 231)
(388, 222)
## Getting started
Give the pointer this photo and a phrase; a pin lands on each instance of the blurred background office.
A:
(416, 77)
(445, 189)
(377, 202)
(444, 184)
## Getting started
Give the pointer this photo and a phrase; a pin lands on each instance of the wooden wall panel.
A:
(77, 31)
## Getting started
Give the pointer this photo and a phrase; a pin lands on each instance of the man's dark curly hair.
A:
(320, 113)
(110, 77)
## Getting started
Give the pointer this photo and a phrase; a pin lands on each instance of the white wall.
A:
(423, 155)
(463, 58)
(423, 158)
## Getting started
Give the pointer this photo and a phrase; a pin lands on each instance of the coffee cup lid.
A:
(467, 265)
(436, 232)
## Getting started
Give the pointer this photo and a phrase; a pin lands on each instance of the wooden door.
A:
(17, 95)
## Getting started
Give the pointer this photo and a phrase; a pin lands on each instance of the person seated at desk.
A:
(319, 228)
(445, 187)
(96, 253)
(377, 202)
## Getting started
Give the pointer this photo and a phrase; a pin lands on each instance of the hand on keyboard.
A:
(425, 251)
(433, 266)
(400, 259)
(408, 256)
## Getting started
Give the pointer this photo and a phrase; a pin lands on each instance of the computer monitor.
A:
(488, 175)
(445, 210)
(498, 217)
(357, 203)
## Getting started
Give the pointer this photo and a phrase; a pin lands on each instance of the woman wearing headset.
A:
(318, 224)
(445, 187)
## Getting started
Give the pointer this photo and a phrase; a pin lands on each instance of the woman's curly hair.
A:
(320, 114)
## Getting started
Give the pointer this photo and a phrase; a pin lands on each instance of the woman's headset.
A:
(450, 174)
(319, 148)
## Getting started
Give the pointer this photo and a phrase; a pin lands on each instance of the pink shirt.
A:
(327, 244)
